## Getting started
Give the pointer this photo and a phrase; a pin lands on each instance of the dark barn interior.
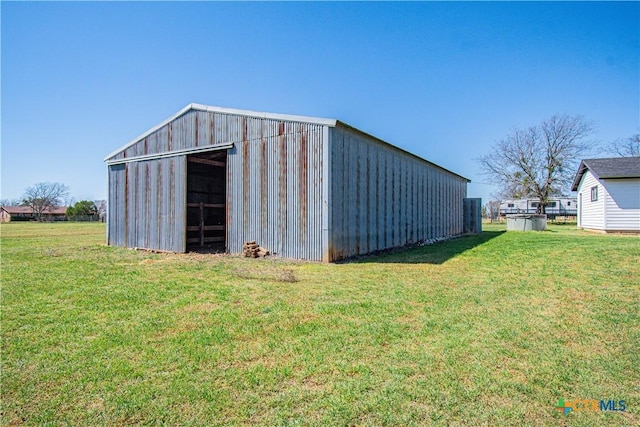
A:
(206, 201)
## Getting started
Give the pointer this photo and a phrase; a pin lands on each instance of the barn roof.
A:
(265, 115)
(610, 168)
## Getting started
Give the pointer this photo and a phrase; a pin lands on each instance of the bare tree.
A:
(10, 202)
(101, 205)
(628, 147)
(44, 196)
(540, 161)
(491, 209)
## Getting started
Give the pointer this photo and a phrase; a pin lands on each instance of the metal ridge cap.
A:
(265, 115)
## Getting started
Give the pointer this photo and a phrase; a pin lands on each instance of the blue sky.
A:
(442, 80)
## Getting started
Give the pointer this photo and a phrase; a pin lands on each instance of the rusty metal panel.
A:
(387, 208)
(383, 197)
(116, 212)
(273, 171)
(472, 223)
(147, 203)
(192, 130)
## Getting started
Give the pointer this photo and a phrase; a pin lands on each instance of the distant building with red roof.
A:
(25, 213)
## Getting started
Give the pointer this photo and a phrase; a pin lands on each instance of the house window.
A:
(568, 203)
(511, 205)
(594, 194)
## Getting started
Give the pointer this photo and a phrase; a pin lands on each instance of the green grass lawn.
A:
(486, 330)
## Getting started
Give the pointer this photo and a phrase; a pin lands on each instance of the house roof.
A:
(15, 210)
(610, 168)
(265, 115)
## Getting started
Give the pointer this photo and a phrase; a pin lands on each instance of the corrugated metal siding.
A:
(383, 198)
(274, 188)
(117, 200)
(286, 188)
(622, 204)
(198, 129)
(472, 216)
(147, 204)
(274, 184)
(194, 129)
(591, 214)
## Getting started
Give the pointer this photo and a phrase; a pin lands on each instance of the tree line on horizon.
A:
(43, 197)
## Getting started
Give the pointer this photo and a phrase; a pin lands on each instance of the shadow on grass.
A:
(436, 253)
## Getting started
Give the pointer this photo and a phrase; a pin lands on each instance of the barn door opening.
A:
(206, 201)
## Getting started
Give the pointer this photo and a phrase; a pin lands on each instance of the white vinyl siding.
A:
(591, 213)
(622, 204)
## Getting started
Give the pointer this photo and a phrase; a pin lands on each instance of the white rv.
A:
(560, 206)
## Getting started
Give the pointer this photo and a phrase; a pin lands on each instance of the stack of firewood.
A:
(253, 250)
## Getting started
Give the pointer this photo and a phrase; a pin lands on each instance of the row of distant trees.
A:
(44, 197)
(88, 209)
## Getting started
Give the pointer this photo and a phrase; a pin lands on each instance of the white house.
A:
(609, 194)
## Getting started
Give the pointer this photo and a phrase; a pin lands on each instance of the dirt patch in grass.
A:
(267, 273)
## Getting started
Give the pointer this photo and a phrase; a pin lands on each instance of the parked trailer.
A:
(563, 206)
